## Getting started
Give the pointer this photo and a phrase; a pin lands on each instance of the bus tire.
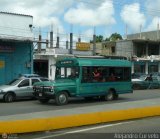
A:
(110, 95)
(116, 96)
(61, 98)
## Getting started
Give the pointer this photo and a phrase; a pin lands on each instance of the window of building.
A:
(113, 49)
(153, 50)
(141, 50)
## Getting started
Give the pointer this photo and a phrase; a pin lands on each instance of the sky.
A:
(84, 17)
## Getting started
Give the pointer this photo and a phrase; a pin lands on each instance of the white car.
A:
(145, 83)
(19, 88)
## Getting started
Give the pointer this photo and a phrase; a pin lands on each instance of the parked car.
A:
(137, 75)
(19, 88)
(156, 74)
(144, 82)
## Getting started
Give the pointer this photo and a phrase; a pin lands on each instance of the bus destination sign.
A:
(67, 62)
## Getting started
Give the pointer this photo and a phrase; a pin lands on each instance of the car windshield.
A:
(14, 82)
(67, 72)
(142, 78)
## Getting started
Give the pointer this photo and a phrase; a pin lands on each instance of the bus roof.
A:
(93, 62)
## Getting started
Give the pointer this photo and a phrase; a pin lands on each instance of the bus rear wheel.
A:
(61, 98)
(110, 95)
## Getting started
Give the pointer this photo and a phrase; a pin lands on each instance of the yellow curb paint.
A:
(51, 123)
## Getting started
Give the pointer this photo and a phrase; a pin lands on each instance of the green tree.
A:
(98, 39)
(115, 37)
(107, 39)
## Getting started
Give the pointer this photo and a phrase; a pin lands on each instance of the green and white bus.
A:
(76, 77)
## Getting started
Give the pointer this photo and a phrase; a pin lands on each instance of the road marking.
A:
(83, 130)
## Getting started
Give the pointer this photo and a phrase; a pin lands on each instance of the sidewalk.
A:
(57, 119)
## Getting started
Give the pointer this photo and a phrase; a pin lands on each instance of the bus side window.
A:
(127, 74)
(104, 74)
(86, 74)
(112, 77)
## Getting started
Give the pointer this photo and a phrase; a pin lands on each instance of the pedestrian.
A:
(150, 79)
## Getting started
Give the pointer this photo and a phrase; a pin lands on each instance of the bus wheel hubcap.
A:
(62, 98)
(110, 96)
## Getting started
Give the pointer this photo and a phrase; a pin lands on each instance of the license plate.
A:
(40, 94)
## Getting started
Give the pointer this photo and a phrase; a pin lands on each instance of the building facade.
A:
(44, 62)
(16, 46)
(144, 54)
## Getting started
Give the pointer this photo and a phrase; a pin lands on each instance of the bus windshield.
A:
(67, 72)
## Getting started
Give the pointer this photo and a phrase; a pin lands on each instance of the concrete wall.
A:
(83, 53)
(107, 48)
(16, 26)
(124, 48)
(151, 35)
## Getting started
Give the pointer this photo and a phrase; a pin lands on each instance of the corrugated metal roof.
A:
(16, 39)
(15, 14)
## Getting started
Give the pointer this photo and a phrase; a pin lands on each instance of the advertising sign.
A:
(82, 46)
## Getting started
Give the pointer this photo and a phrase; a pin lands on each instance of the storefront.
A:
(15, 59)
(16, 46)
(139, 67)
(146, 67)
(153, 67)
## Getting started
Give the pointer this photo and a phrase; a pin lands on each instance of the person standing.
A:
(150, 79)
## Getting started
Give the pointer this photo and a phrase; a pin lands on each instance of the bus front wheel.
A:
(61, 98)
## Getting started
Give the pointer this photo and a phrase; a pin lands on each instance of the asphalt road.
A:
(29, 106)
(148, 128)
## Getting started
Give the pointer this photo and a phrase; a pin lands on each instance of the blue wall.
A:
(18, 61)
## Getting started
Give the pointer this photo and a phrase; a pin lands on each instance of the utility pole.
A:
(39, 41)
(47, 41)
(94, 42)
(67, 41)
(140, 31)
(158, 31)
(57, 44)
(51, 37)
(126, 31)
(71, 40)
(79, 38)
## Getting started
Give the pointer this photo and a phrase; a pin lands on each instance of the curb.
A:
(52, 123)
